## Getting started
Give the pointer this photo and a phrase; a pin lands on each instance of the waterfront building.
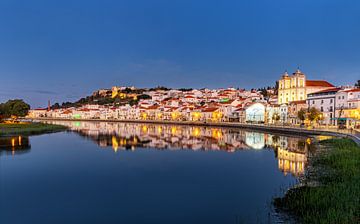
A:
(39, 112)
(293, 109)
(347, 107)
(272, 113)
(255, 113)
(324, 101)
(212, 114)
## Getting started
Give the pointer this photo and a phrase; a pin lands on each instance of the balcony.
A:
(347, 107)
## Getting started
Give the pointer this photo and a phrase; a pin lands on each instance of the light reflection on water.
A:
(14, 145)
(291, 152)
(146, 173)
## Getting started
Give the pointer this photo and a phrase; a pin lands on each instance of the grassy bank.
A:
(29, 128)
(335, 196)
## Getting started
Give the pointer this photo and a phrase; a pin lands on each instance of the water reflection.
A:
(13, 145)
(291, 152)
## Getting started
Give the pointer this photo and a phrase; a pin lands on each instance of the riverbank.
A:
(260, 127)
(29, 128)
(330, 192)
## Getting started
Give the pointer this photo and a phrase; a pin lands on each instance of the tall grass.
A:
(336, 197)
(29, 128)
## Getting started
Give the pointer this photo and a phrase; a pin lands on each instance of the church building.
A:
(295, 87)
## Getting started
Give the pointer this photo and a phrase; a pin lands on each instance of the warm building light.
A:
(115, 144)
(196, 116)
(196, 132)
(173, 130)
(159, 115)
(174, 115)
(13, 142)
(216, 116)
(144, 115)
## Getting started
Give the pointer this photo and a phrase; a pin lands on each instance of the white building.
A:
(348, 107)
(255, 113)
(324, 101)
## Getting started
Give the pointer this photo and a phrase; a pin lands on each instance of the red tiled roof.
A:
(328, 90)
(152, 107)
(352, 90)
(298, 102)
(321, 83)
(240, 109)
(211, 109)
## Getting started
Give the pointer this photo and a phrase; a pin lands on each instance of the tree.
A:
(264, 92)
(143, 96)
(301, 114)
(276, 88)
(17, 108)
(357, 84)
(314, 114)
(276, 117)
(55, 106)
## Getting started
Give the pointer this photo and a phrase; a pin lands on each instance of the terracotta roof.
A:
(211, 109)
(352, 90)
(321, 83)
(298, 102)
(327, 90)
(152, 107)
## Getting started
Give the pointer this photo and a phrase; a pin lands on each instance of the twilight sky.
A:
(63, 50)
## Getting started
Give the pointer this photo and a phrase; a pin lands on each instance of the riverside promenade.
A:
(352, 134)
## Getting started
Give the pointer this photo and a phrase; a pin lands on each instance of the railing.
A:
(346, 107)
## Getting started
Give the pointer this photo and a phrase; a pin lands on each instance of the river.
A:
(100, 172)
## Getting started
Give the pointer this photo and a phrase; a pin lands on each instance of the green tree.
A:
(276, 88)
(15, 107)
(55, 106)
(301, 114)
(264, 92)
(314, 114)
(357, 84)
(143, 96)
(276, 116)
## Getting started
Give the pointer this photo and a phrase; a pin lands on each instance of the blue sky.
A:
(63, 50)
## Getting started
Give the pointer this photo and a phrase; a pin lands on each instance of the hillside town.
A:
(295, 100)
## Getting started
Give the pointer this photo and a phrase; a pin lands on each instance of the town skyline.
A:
(55, 97)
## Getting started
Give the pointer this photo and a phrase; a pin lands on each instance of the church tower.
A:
(292, 88)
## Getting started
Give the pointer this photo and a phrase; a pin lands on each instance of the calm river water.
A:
(140, 173)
